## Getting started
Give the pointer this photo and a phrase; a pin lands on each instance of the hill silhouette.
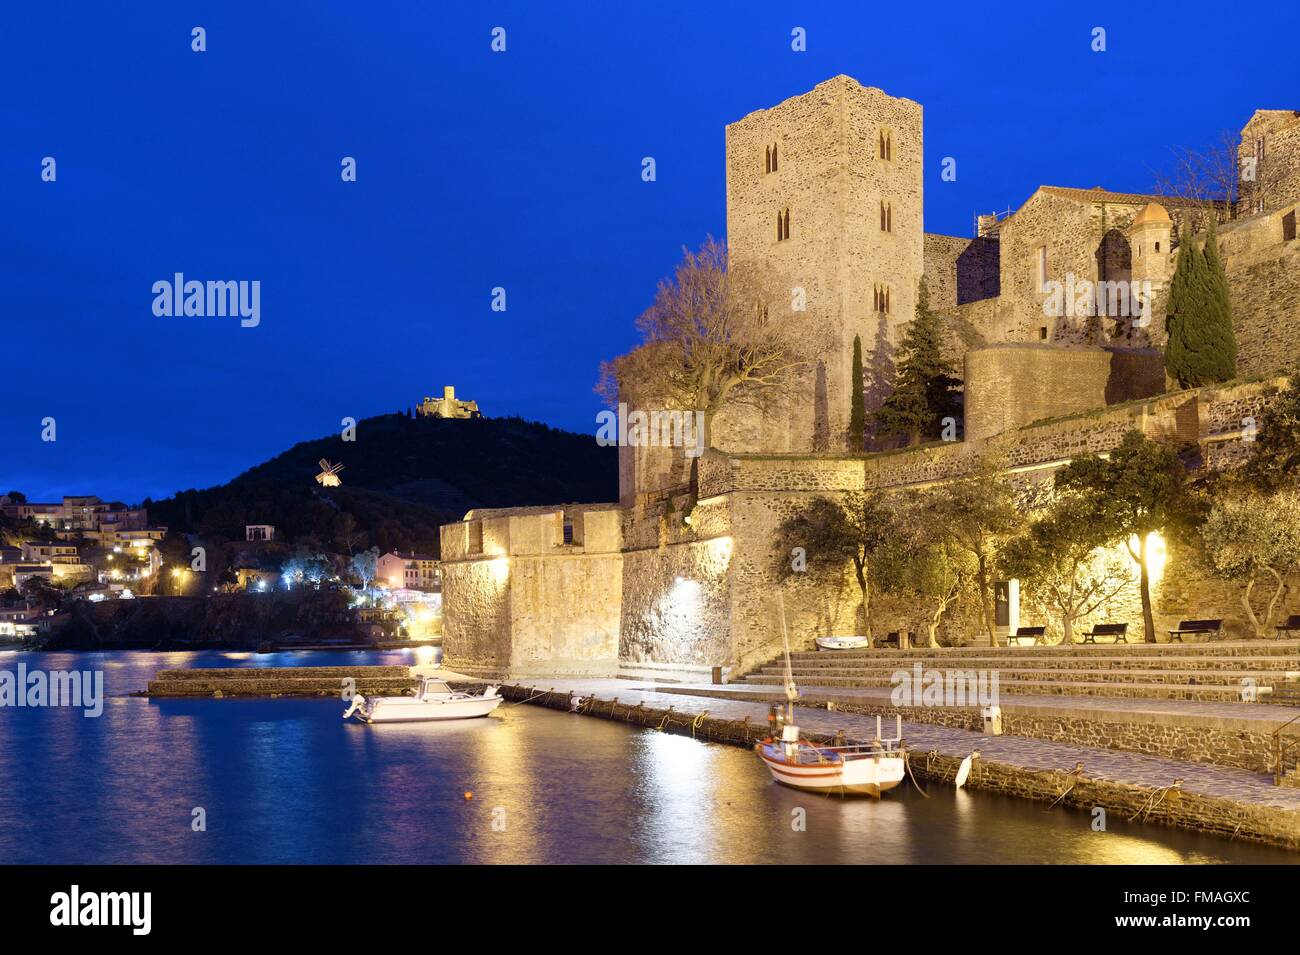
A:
(402, 478)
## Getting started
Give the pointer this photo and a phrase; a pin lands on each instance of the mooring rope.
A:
(907, 762)
(535, 695)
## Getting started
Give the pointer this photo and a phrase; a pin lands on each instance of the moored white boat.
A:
(868, 768)
(435, 700)
(843, 643)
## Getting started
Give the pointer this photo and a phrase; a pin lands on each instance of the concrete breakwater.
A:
(1224, 802)
(281, 681)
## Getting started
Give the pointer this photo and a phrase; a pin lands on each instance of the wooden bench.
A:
(1117, 630)
(1210, 628)
(1292, 624)
(1032, 634)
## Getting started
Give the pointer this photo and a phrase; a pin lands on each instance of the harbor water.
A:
(288, 781)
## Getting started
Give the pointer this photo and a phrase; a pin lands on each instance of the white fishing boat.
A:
(843, 643)
(868, 768)
(435, 700)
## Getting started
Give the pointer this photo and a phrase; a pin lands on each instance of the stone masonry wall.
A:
(833, 180)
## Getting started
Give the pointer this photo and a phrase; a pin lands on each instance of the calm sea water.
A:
(288, 781)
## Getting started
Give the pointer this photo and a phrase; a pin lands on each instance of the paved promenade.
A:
(1103, 764)
(1255, 716)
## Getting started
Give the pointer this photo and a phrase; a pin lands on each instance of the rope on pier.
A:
(907, 762)
(1152, 803)
(535, 695)
(1076, 774)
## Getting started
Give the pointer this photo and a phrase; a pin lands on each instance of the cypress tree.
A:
(1201, 349)
(1220, 337)
(925, 390)
(857, 403)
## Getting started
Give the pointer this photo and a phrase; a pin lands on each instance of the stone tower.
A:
(1149, 236)
(825, 190)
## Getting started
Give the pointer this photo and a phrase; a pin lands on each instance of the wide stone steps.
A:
(1217, 648)
(816, 662)
(1081, 687)
(1206, 672)
(1069, 676)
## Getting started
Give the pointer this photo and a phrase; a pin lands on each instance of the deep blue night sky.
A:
(478, 170)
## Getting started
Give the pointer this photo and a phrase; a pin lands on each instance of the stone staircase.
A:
(1214, 672)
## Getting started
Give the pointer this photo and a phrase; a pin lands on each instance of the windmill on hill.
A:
(329, 474)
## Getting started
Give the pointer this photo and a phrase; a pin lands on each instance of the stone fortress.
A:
(448, 406)
(826, 189)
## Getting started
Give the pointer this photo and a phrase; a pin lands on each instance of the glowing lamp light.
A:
(1157, 554)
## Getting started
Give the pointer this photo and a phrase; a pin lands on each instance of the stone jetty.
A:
(281, 681)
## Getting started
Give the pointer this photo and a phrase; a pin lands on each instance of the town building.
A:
(259, 532)
(409, 571)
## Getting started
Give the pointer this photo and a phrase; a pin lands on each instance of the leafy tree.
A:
(1202, 348)
(825, 537)
(923, 563)
(1248, 537)
(42, 592)
(1063, 566)
(1140, 489)
(1275, 460)
(978, 515)
(316, 567)
(17, 497)
(926, 387)
(857, 400)
(365, 566)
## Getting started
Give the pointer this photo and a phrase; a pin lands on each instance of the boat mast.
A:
(791, 691)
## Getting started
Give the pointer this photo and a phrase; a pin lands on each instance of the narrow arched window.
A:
(782, 225)
(767, 159)
(774, 163)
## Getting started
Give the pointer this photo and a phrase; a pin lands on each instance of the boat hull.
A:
(842, 643)
(867, 776)
(419, 711)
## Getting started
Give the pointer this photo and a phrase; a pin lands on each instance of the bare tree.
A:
(1216, 175)
(714, 337)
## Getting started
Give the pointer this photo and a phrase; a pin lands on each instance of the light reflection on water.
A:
(287, 781)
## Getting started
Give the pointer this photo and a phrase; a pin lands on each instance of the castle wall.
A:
(1277, 178)
(941, 255)
(524, 600)
(1011, 385)
(676, 604)
(959, 271)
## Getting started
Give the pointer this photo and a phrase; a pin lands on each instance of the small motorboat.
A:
(843, 643)
(434, 700)
(868, 768)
